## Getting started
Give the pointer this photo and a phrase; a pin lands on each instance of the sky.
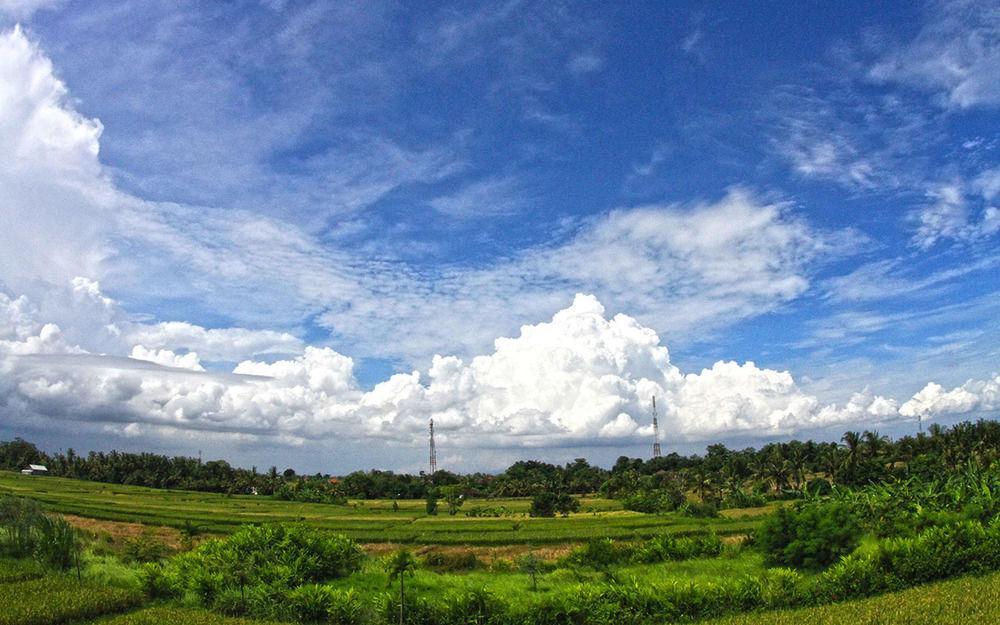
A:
(292, 233)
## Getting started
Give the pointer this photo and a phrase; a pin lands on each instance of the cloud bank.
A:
(582, 378)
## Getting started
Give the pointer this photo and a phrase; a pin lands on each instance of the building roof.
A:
(37, 467)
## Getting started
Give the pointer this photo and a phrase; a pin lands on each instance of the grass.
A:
(55, 599)
(964, 601)
(15, 570)
(364, 521)
(176, 616)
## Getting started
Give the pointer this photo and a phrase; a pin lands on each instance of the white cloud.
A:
(484, 198)
(574, 380)
(585, 63)
(23, 9)
(227, 344)
(949, 216)
(167, 358)
(973, 396)
(48, 164)
(955, 56)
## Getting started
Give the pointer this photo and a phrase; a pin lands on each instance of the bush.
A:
(450, 561)
(819, 487)
(26, 531)
(547, 504)
(809, 536)
(665, 548)
(249, 572)
(703, 509)
(654, 501)
(145, 548)
(600, 553)
(741, 499)
(309, 603)
(345, 607)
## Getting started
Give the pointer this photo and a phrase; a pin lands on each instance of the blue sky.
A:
(812, 187)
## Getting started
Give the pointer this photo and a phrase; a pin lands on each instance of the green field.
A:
(964, 601)
(372, 521)
(60, 598)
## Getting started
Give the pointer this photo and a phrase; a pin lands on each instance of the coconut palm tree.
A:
(852, 442)
(399, 566)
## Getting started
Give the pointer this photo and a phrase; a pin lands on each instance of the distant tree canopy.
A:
(722, 476)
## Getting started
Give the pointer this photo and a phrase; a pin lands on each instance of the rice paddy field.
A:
(109, 587)
(366, 521)
(954, 602)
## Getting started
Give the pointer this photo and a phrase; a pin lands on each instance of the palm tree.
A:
(852, 441)
(400, 565)
(831, 461)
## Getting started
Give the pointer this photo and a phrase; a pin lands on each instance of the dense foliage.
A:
(252, 571)
(724, 477)
(810, 536)
(26, 532)
(60, 599)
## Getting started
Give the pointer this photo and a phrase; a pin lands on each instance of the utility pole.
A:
(656, 432)
(434, 457)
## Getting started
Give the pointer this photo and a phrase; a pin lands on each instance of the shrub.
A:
(450, 561)
(742, 499)
(248, 572)
(654, 501)
(808, 536)
(819, 487)
(702, 509)
(600, 553)
(345, 607)
(309, 603)
(547, 504)
(145, 548)
(666, 547)
(857, 575)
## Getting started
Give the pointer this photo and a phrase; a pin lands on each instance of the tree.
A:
(531, 565)
(852, 441)
(431, 503)
(400, 565)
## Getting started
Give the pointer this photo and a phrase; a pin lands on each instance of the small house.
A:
(35, 469)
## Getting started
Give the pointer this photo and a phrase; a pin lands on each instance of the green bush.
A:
(26, 531)
(666, 547)
(345, 607)
(700, 509)
(451, 561)
(600, 553)
(809, 536)
(548, 503)
(309, 603)
(251, 571)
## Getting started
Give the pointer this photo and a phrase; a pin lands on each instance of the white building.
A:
(35, 469)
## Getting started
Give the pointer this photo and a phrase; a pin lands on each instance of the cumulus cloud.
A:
(955, 56)
(167, 358)
(579, 379)
(226, 344)
(49, 162)
(973, 396)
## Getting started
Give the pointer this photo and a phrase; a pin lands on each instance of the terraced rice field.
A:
(365, 521)
(964, 601)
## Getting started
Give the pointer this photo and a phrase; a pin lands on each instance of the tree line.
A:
(721, 476)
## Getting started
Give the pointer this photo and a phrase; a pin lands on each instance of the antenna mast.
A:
(656, 432)
(434, 457)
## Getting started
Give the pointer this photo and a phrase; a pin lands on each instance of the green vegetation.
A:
(660, 547)
(363, 521)
(57, 599)
(177, 616)
(964, 601)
